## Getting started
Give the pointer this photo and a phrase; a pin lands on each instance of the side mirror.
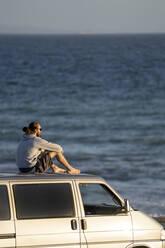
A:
(126, 206)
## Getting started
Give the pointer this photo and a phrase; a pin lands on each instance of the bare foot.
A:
(57, 169)
(74, 171)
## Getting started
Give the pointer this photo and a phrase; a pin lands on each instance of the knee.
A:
(53, 154)
(58, 155)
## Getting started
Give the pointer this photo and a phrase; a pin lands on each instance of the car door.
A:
(104, 221)
(46, 214)
(7, 229)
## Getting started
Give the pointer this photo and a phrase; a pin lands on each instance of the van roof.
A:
(44, 176)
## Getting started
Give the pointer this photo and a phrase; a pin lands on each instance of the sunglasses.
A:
(39, 128)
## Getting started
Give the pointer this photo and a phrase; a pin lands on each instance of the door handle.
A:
(83, 224)
(74, 224)
(8, 236)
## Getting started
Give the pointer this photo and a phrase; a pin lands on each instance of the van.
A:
(65, 211)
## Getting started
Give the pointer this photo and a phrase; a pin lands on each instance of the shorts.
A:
(44, 162)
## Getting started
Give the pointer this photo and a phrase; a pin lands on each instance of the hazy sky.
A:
(101, 16)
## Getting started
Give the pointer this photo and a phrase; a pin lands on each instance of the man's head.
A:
(33, 128)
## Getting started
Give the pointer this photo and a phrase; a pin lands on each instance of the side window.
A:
(99, 200)
(4, 203)
(36, 201)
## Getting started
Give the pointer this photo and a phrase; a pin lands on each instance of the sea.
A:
(101, 97)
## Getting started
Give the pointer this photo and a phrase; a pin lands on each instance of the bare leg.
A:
(60, 157)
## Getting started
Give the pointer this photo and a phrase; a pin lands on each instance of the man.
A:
(35, 153)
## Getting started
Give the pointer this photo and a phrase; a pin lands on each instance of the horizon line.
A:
(81, 33)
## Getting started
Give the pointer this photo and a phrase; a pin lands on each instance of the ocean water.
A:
(102, 97)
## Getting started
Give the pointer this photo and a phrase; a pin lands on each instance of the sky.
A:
(82, 16)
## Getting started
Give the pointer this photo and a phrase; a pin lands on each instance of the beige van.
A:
(63, 211)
